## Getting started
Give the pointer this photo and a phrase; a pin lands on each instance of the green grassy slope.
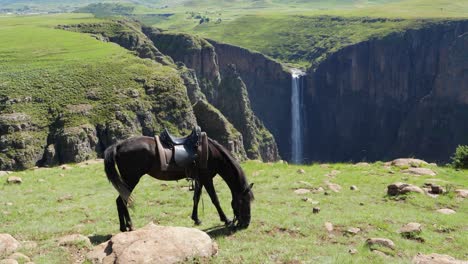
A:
(283, 229)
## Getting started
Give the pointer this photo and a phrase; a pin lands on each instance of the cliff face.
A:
(402, 95)
(222, 87)
(269, 89)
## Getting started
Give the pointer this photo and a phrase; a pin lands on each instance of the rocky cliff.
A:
(401, 95)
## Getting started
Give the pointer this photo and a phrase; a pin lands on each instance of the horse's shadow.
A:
(98, 239)
(220, 230)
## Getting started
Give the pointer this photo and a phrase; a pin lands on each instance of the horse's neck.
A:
(230, 175)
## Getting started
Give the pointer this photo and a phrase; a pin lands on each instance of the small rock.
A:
(446, 211)
(326, 193)
(65, 198)
(164, 184)
(329, 226)
(361, 204)
(41, 180)
(8, 261)
(316, 210)
(14, 180)
(300, 171)
(9, 204)
(324, 166)
(410, 229)
(62, 175)
(463, 193)
(353, 188)
(73, 240)
(353, 230)
(433, 164)
(436, 259)
(436, 189)
(333, 173)
(362, 164)
(318, 190)
(302, 191)
(380, 253)
(334, 187)
(352, 251)
(66, 167)
(20, 257)
(419, 171)
(8, 244)
(408, 163)
(5, 173)
(402, 188)
(384, 242)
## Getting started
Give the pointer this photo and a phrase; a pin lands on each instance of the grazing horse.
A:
(138, 156)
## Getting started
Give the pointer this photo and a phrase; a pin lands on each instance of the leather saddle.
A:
(182, 154)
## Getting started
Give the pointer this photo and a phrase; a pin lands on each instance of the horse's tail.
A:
(114, 177)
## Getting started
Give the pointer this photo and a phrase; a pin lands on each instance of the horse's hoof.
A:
(229, 223)
(197, 222)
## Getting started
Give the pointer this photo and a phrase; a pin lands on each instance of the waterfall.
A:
(296, 116)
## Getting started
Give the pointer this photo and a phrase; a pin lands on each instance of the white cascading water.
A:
(296, 118)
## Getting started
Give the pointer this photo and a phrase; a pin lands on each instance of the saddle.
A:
(183, 154)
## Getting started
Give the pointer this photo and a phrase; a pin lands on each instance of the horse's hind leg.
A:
(208, 183)
(196, 198)
(123, 212)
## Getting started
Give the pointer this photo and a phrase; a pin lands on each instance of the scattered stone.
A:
(302, 191)
(185, 188)
(405, 163)
(362, 164)
(384, 242)
(402, 188)
(353, 188)
(462, 193)
(435, 258)
(173, 244)
(318, 190)
(333, 173)
(324, 166)
(353, 231)
(300, 171)
(8, 261)
(334, 187)
(65, 198)
(73, 240)
(8, 244)
(410, 230)
(5, 173)
(14, 180)
(361, 204)
(419, 171)
(316, 210)
(436, 189)
(352, 251)
(20, 257)
(62, 175)
(41, 180)
(446, 211)
(9, 204)
(380, 253)
(326, 193)
(66, 167)
(433, 164)
(329, 226)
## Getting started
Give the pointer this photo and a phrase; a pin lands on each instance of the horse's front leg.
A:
(196, 198)
(214, 199)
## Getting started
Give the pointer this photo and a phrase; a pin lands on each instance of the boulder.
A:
(405, 163)
(402, 188)
(14, 180)
(8, 244)
(154, 244)
(334, 187)
(462, 193)
(410, 229)
(73, 240)
(302, 191)
(384, 242)
(446, 211)
(419, 171)
(8, 261)
(435, 258)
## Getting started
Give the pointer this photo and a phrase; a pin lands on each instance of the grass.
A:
(283, 227)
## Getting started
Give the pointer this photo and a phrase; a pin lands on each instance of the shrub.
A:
(460, 158)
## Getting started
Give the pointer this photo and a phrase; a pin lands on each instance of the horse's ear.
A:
(249, 188)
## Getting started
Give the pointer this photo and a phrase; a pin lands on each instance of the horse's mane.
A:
(235, 164)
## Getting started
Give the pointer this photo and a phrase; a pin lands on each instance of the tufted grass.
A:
(53, 202)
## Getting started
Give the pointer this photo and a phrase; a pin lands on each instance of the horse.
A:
(137, 156)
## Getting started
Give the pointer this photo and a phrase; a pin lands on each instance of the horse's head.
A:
(241, 207)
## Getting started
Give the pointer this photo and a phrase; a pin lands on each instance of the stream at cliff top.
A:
(296, 116)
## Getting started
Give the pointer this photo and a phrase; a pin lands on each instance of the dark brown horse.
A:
(138, 156)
